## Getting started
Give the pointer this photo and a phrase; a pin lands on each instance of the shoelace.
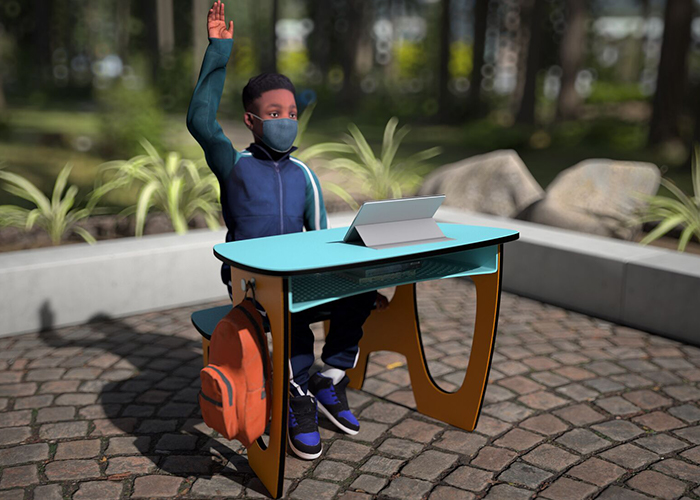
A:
(306, 419)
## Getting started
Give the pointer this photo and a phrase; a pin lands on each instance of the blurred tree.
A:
(532, 14)
(357, 28)
(444, 60)
(200, 38)
(481, 12)
(123, 22)
(672, 74)
(166, 26)
(320, 39)
(571, 53)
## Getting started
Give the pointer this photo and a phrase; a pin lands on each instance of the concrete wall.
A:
(649, 288)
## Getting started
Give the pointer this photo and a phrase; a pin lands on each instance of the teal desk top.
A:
(324, 250)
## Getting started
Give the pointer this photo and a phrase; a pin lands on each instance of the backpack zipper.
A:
(226, 381)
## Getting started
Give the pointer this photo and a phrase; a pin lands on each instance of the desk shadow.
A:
(147, 384)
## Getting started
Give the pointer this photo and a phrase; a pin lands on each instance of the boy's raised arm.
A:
(201, 115)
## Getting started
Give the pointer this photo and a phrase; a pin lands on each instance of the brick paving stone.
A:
(16, 418)
(618, 430)
(401, 447)
(550, 457)
(59, 386)
(661, 443)
(469, 478)
(156, 486)
(574, 373)
(689, 413)
(510, 412)
(14, 435)
(604, 368)
(104, 490)
(449, 493)
(568, 489)
(65, 470)
(491, 426)
(524, 474)
(354, 495)
(157, 426)
(171, 442)
(464, 443)
(646, 399)
(334, 471)
(582, 441)
(184, 464)
(659, 421)
(577, 392)
(507, 492)
(617, 406)
(40, 401)
(133, 465)
(692, 454)
(496, 394)
(542, 400)
(545, 424)
(429, 465)
(112, 427)
(492, 458)
(69, 450)
(679, 469)
(405, 487)
(216, 486)
(519, 440)
(604, 385)
(632, 380)
(580, 414)
(42, 375)
(382, 466)
(597, 471)
(55, 414)
(48, 492)
(63, 430)
(617, 493)
(683, 393)
(16, 494)
(24, 475)
(348, 451)
(540, 363)
(416, 430)
(520, 385)
(23, 454)
(510, 368)
(383, 412)
(370, 432)
(691, 434)
(550, 379)
(658, 485)
(128, 445)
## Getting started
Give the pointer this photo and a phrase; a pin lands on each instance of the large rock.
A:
(496, 183)
(597, 196)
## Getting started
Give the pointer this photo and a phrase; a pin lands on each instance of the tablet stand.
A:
(398, 233)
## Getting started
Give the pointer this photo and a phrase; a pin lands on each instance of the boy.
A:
(265, 191)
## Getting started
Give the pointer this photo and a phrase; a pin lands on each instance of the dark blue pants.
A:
(347, 315)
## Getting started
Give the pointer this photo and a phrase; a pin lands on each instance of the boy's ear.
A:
(248, 119)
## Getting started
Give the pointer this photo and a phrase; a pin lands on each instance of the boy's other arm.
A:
(315, 216)
(201, 115)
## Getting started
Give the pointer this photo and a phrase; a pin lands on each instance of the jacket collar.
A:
(262, 153)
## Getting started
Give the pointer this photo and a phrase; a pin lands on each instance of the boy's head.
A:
(270, 96)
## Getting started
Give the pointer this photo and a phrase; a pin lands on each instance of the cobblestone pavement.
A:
(576, 408)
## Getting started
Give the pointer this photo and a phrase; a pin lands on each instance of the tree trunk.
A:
(273, 32)
(166, 26)
(571, 52)
(481, 12)
(357, 12)
(123, 17)
(200, 35)
(672, 74)
(321, 37)
(533, 15)
(444, 60)
(43, 11)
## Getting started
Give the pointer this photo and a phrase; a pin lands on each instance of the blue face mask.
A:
(278, 133)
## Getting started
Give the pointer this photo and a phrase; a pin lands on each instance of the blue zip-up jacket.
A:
(259, 196)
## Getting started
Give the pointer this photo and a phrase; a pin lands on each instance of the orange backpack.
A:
(236, 384)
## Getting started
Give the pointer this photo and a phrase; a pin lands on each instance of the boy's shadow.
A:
(145, 371)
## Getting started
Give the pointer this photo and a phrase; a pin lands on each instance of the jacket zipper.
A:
(279, 181)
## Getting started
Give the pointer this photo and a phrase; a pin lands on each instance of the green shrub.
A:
(179, 187)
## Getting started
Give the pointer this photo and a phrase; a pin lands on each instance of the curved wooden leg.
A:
(268, 461)
(397, 329)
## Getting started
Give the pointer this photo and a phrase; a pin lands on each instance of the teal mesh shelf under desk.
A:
(310, 290)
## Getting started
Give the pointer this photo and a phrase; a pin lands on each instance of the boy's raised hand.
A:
(216, 22)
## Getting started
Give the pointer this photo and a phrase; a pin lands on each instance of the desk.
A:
(297, 271)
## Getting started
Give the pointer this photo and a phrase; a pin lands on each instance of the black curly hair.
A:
(260, 84)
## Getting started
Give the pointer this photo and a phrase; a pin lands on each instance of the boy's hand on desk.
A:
(216, 22)
(382, 302)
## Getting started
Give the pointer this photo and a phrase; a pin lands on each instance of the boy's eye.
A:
(274, 114)
(293, 115)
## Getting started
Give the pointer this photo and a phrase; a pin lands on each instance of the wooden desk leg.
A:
(271, 292)
(396, 329)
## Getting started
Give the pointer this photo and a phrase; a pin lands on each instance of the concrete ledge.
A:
(653, 289)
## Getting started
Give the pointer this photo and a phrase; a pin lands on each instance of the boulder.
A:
(597, 196)
(496, 183)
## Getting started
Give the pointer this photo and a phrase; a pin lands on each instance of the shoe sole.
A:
(301, 454)
(330, 417)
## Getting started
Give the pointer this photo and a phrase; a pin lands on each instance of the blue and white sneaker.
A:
(333, 402)
(304, 439)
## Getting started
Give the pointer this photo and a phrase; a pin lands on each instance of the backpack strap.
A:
(262, 340)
